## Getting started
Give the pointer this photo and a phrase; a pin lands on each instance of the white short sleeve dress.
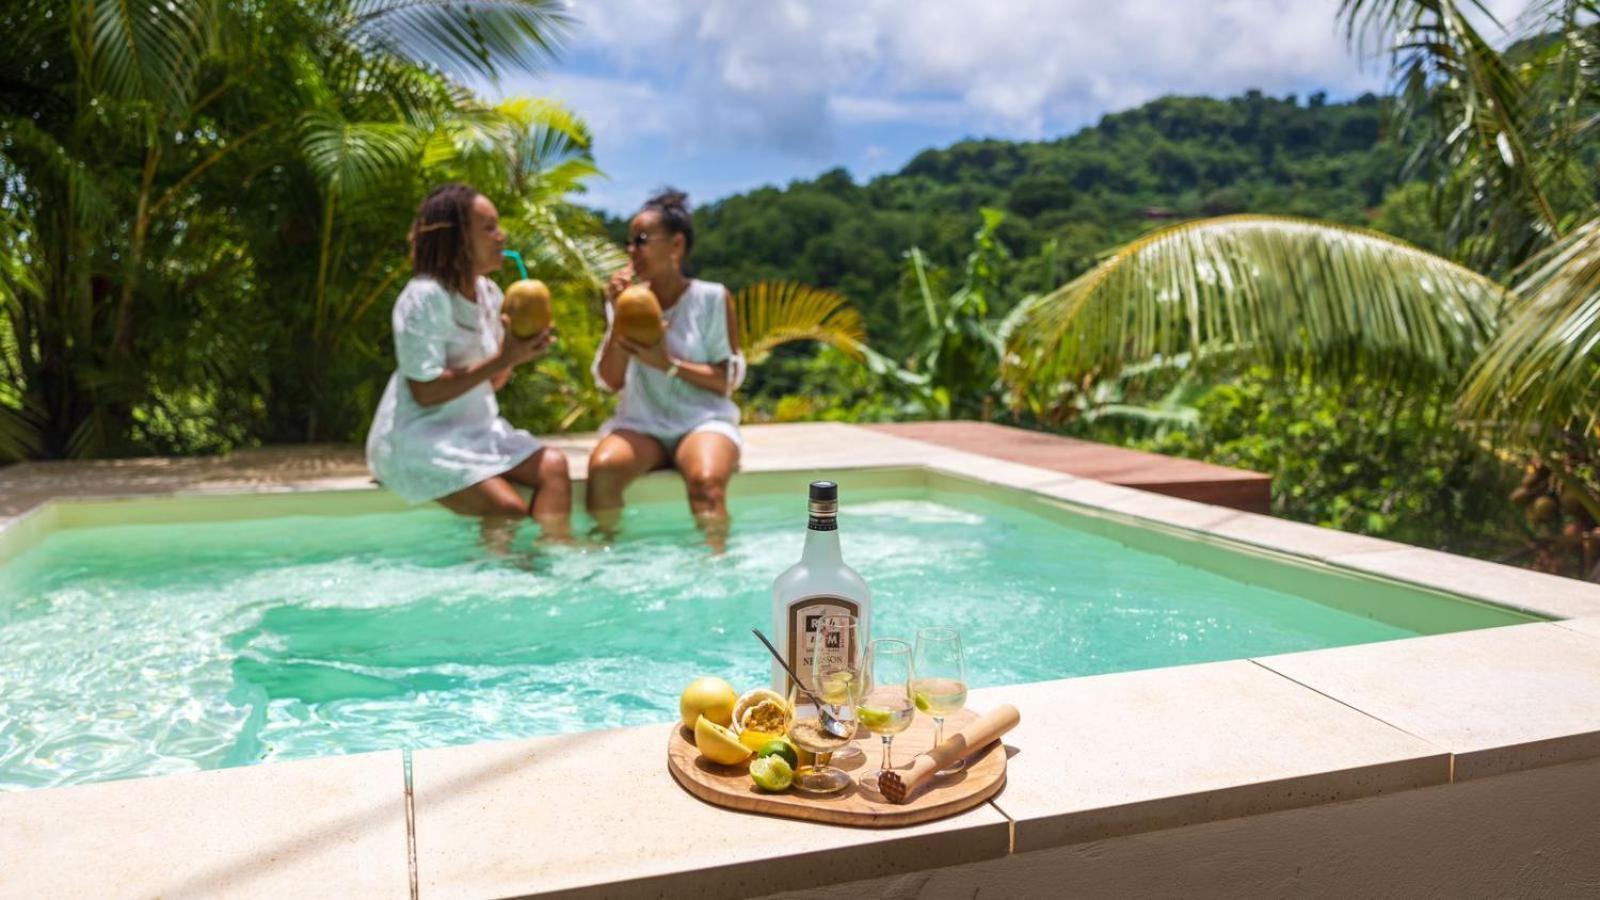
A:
(668, 409)
(426, 452)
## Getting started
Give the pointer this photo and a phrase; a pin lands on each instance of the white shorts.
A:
(671, 441)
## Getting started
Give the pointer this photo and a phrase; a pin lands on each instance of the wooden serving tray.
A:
(731, 787)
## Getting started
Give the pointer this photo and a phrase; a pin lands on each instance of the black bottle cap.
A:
(824, 490)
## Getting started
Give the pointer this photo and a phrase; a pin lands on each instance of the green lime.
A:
(921, 701)
(873, 718)
(771, 773)
(780, 748)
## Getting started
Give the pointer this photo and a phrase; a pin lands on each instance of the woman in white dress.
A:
(674, 407)
(438, 434)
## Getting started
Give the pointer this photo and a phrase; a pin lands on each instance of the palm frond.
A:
(1290, 292)
(474, 38)
(28, 151)
(553, 154)
(471, 133)
(418, 95)
(774, 313)
(354, 156)
(19, 277)
(568, 245)
(19, 433)
(1476, 117)
(1540, 374)
(144, 51)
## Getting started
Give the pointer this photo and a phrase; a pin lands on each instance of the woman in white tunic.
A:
(674, 407)
(438, 434)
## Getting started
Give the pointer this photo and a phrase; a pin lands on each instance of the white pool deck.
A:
(1458, 764)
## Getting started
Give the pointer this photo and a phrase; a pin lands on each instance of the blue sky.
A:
(721, 96)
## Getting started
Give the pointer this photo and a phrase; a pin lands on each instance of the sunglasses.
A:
(637, 241)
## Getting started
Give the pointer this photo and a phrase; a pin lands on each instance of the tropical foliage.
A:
(199, 205)
(1391, 303)
(771, 314)
(1270, 340)
(1288, 293)
(1510, 138)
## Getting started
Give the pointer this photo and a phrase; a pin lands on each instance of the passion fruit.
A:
(527, 304)
(638, 315)
(761, 716)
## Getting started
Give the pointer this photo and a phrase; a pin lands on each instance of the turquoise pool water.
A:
(149, 649)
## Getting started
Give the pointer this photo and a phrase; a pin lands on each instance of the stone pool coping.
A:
(1094, 758)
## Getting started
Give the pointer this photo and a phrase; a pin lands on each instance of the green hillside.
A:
(1176, 157)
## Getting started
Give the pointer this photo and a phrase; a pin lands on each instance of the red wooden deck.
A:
(1186, 478)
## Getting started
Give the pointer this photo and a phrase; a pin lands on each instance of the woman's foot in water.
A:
(715, 527)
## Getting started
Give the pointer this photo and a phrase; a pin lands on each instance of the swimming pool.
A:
(160, 635)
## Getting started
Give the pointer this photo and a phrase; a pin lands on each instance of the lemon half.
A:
(718, 744)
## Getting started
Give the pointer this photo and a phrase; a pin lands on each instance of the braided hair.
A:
(439, 246)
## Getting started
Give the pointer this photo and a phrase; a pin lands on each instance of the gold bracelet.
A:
(672, 370)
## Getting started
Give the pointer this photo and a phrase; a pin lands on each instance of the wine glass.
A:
(886, 707)
(939, 682)
(836, 673)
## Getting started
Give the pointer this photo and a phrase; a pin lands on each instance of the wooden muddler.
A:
(898, 786)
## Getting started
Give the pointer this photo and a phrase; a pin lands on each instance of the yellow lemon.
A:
(709, 697)
(718, 744)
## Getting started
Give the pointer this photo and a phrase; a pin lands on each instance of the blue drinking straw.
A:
(517, 258)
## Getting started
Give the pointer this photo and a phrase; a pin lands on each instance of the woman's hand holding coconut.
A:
(654, 355)
(514, 350)
(619, 282)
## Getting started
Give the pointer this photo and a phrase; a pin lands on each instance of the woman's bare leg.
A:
(496, 503)
(615, 462)
(707, 460)
(546, 473)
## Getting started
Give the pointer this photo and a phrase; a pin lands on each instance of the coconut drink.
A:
(527, 305)
(638, 315)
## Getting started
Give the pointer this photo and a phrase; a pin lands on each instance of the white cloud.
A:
(785, 74)
(790, 77)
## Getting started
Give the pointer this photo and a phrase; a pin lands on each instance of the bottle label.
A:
(804, 627)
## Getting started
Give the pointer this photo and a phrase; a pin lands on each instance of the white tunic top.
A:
(425, 452)
(669, 408)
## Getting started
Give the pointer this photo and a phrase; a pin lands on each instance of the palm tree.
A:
(157, 158)
(1290, 293)
(1510, 137)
